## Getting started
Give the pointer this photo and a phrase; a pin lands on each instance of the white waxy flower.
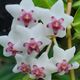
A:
(8, 45)
(23, 63)
(61, 59)
(34, 42)
(21, 39)
(8, 42)
(20, 32)
(47, 66)
(36, 68)
(55, 19)
(23, 13)
(32, 45)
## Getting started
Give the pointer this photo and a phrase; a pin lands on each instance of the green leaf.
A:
(26, 77)
(77, 35)
(76, 4)
(7, 74)
(53, 1)
(77, 32)
(62, 77)
(76, 24)
(76, 58)
(7, 77)
(77, 16)
(6, 69)
(44, 3)
(1, 51)
(17, 76)
(50, 53)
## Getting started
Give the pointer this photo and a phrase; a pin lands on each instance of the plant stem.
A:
(69, 5)
(69, 37)
(72, 73)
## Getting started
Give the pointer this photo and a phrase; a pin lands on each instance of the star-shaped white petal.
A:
(23, 13)
(28, 59)
(21, 39)
(56, 20)
(27, 4)
(32, 41)
(45, 68)
(62, 57)
(48, 66)
(20, 32)
(8, 43)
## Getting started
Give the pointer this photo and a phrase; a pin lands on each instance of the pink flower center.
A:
(38, 72)
(26, 17)
(32, 45)
(56, 25)
(10, 49)
(64, 66)
(24, 68)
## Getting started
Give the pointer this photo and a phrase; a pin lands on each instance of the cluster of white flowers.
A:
(28, 37)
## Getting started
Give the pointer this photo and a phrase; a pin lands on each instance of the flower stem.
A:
(69, 37)
(53, 38)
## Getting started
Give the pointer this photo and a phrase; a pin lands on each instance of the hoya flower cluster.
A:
(28, 37)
